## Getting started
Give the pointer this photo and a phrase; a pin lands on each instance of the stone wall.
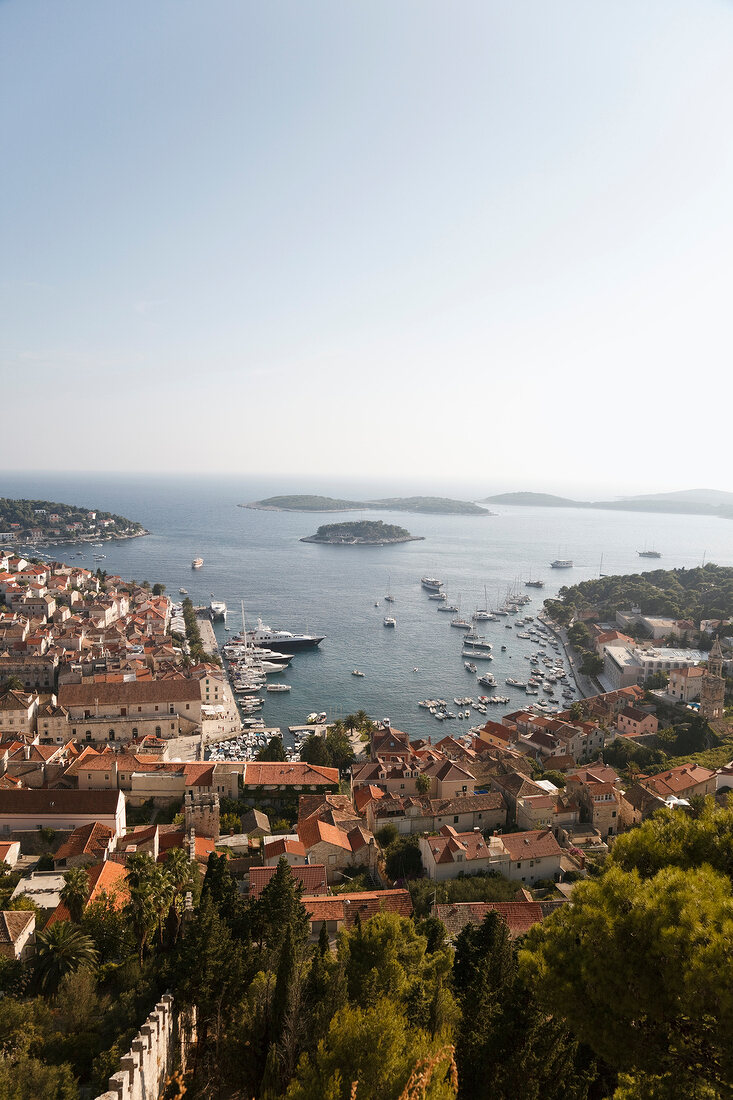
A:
(159, 1049)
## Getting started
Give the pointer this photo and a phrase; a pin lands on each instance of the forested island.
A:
(692, 502)
(424, 505)
(705, 592)
(362, 533)
(45, 521)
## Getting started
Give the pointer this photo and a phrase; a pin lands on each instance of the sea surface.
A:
(255, 558)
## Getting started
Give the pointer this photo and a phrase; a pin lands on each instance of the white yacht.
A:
(218, 609)
(281, 639)
(389, 621)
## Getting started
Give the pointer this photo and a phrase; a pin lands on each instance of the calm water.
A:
(257, 557)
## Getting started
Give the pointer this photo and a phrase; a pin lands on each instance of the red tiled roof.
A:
(314, 831)
(13, 924)
(91, 838)
(678, 780)
(364, 795)
(288, 774)
(281, 846)
(130, 692)
(106, 878)
(312, 876)
(530, 845)
(520, 916)
(345, 907)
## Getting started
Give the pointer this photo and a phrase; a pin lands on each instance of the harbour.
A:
(256, 556)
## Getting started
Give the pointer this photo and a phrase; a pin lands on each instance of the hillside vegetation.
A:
(59, 520)
(694, 502)
(362, 531)
(425, 505)
(705, 592)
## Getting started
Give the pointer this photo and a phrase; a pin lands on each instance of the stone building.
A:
(712, 688)
(201, 813)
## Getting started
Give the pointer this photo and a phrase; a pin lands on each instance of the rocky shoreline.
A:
(329, 540)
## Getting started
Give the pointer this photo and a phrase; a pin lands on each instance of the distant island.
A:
(362, 533)
(692, 502)
(45, 522)
(424, 505)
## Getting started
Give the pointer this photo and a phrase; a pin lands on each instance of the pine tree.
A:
(505, 1046)
(278, 909)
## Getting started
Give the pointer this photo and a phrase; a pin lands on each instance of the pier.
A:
(208, 637)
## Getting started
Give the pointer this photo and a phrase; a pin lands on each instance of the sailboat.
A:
(389, 598)
(482, 614)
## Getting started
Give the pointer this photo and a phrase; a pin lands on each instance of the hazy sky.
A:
(389, 237)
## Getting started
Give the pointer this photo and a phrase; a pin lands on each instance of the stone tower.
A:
(712, 688)
(201, 813)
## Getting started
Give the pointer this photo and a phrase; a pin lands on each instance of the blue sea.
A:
(256, 558)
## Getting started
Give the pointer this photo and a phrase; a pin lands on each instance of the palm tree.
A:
(61, 949)
(141, 908)
(75, 892)
(181, 872)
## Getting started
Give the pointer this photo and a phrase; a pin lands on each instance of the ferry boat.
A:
(281, 640)
(432, 584)
(197, 563)
(218, 609)
(561, 563)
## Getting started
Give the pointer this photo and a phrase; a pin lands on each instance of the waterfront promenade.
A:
(586, 685)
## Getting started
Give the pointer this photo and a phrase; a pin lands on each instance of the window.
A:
(519, 866)
(455, 820)
(134, 731)
(158, 731)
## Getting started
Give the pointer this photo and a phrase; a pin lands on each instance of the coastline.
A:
(360, 542)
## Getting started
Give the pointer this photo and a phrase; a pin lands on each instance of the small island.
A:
(422, 505)
(47, 523)
(362, 533)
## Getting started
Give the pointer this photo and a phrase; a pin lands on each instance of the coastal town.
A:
(121, 751)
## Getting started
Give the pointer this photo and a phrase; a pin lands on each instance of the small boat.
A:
(460, 624)
(183, 591)
(449, 607)
(376, 603)
(503, 649)
(416, 669)
(389, 598)
(437, 596)
(470, 666)
(534, 584)
(279, 687)
(648, 553)
(197, 563)
(356, 672)
(389, 621)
